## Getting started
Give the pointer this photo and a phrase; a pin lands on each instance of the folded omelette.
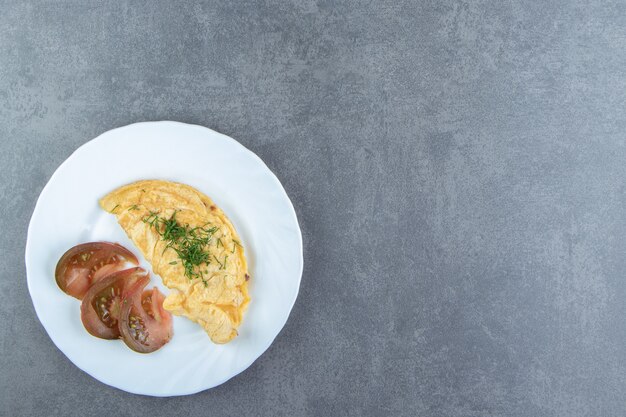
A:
(192, 245)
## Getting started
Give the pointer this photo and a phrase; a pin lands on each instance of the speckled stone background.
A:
(458, 169)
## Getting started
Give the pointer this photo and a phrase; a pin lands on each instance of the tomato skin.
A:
(81, 266)
(145, 326)
(100, 308)
(108, 280)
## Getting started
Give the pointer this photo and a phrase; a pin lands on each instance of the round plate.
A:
(67, 213)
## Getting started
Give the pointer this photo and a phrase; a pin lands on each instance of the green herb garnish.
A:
(189, 243)
(113, 209)
(218, 261)
(133, 207)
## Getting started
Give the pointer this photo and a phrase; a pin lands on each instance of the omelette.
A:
(192, 246)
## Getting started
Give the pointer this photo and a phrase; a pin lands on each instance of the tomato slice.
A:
(101, 306)
(144, 324)
(87, 263)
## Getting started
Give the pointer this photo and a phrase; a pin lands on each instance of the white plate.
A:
(67, 213)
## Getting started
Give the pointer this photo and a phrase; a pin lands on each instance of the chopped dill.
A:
(133, 207)
(219, 242)
(189, 243)
(113, 209)
(152, 218)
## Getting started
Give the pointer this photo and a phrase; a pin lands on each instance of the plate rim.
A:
(272, 175)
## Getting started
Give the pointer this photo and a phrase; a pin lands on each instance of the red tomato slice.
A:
(101, 305)
(144, 324)
(85, 264)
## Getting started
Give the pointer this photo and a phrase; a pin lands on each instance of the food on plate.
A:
(101, 307)
(144, 324)
(81, 266)
(193, 246)
(114, 304)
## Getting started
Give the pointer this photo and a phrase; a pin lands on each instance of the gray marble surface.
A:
(458, 169)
